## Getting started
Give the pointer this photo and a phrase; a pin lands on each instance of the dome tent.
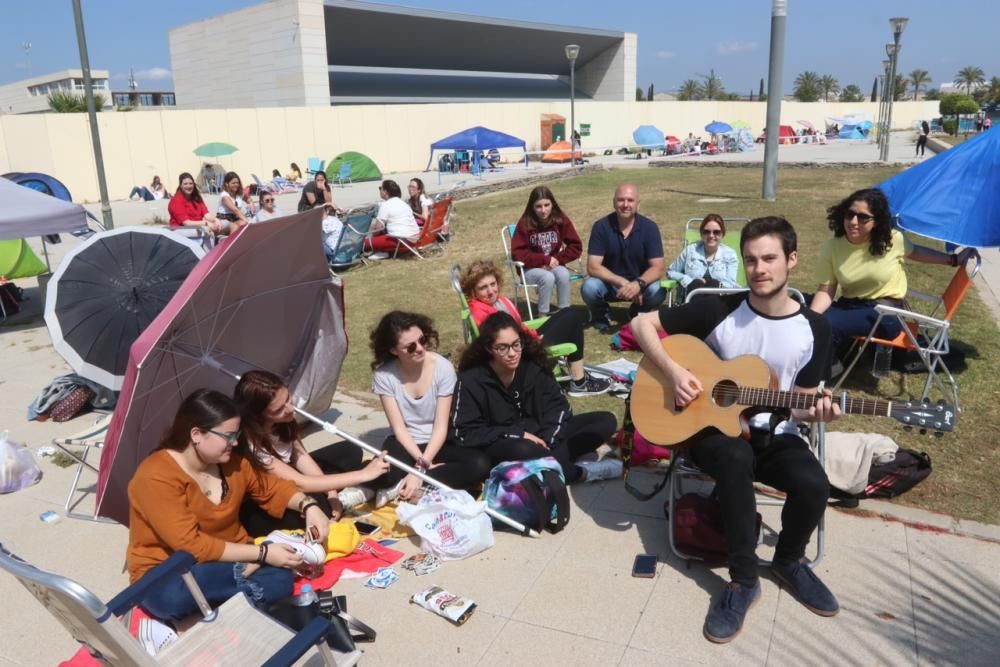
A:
(362, 167)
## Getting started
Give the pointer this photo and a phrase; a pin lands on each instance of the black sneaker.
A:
(802, 583)
(725, 617)
(602, 325)
(589, 385)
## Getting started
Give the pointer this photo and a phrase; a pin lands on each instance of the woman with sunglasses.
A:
(709, 262)
(273, 443)
(415, 386)
(268, 208)
(865, 260)
(186, 496)
(509, 406)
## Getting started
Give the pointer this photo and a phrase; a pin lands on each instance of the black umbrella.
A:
(108, 290)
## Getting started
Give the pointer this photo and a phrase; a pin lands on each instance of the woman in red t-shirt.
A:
(188, 209)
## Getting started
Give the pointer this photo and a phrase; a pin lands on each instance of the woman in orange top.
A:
(186, 496)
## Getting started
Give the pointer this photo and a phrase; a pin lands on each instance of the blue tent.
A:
(850, 132)
(475, 140)
(648, 136)
(954, 196)
(42, 183)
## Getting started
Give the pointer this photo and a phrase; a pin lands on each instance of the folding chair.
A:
(927, 335)
(350, 247)
(470, 331)
(430, 234)
(344, 174)
(263, 187)
(78, 447)
(315, 165)
(234, 634)
(683, 469)
(199, 234)
(517, 272)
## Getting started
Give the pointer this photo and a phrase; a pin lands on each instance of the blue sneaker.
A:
(725, 617)
(802, 583)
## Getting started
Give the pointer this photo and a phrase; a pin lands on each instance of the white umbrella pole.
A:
(330, 428)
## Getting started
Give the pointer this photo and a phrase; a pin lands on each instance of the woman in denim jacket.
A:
(709, 262)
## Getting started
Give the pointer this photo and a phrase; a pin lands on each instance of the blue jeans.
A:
(597, 294)
(219, 581)
(855, 317)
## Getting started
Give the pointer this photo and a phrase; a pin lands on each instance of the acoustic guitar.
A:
(731, 388)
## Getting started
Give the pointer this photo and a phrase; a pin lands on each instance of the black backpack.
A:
(888, 480)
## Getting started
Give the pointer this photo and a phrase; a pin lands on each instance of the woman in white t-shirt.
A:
(272, 441)
(394, 219)
(232, 206)
(419, 202)
(268, 208)
(415, 386)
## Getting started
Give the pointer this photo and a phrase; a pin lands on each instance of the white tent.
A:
(27, 212)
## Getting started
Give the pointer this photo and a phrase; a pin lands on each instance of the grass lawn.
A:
(954, 141)
(964, 462)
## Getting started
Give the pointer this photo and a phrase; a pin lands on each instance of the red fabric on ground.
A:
(367, 557)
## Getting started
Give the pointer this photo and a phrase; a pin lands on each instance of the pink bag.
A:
(624, 340)
(643, 451)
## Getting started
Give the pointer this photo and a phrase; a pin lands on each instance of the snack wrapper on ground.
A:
(456, 609)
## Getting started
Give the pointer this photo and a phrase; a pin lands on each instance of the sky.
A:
(677, 39)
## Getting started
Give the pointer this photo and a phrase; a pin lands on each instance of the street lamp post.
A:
(883, 78)
(572, 53)
(779, 14)
(898, 24)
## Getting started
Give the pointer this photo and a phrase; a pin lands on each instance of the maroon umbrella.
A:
(263, 299)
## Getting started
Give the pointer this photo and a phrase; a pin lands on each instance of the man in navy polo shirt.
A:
(624, 260)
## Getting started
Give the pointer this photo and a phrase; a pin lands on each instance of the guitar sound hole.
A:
(725, 393)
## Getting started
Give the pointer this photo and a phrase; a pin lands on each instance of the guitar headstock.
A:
(938, 417)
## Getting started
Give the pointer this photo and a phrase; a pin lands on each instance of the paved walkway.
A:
(909, 594)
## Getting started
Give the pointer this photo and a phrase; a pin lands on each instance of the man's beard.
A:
(767, 295)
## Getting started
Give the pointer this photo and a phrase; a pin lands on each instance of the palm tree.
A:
(919, 77)
(851, 93)
(689, 90)
(994, 92)
(63, 102)
(712, 88)
(970, 77)
(807, 86)
(829, 85)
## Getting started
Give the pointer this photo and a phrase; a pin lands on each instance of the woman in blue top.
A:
(709, 262)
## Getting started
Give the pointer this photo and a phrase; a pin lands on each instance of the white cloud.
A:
(665, 55)
(735, 46)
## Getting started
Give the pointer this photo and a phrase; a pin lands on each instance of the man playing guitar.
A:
(795, 344)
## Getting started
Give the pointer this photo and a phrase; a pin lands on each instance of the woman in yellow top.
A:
(865, 260)
(186, 496)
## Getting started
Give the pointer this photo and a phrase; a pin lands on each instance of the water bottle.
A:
(882, 363)
(306, 597)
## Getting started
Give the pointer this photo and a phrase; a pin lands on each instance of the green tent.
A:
(17, 260)
(362, 168)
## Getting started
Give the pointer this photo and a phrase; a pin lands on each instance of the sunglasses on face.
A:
(412, 347)
(230, 438)
(268, 201)
(711, 232)
(505, 348)
(863, 218)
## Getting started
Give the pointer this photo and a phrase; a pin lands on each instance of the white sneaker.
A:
(354, 496)
(385, 496)
(379, 255)
(606, 468)
(155, 636)
(312, 553)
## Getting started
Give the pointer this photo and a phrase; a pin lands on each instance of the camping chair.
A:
(470, 331)
(517, 273)
(199, 234)
(683, 470)
(350, 247)
(263, 187)
(78, 447)
(344, 174)
(692, 235)
(926, 335)
(234, 634)
(430, 234)
(315, 165)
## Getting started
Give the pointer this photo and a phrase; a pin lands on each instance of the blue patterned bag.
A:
(530, 492)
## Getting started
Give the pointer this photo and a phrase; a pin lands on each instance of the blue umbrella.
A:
(647, 136)
(718, 127)
(954, 196)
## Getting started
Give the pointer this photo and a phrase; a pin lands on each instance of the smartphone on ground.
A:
(644, 566)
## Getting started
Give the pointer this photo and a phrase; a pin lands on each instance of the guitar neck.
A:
(770, 398)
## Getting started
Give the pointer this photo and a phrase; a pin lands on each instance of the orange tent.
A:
(559, 152)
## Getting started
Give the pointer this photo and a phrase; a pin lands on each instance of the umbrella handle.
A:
(330, 428)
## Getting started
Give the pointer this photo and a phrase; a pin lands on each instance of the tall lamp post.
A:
(898, 24)
(882, 78)
(572, 53)
(779, 14)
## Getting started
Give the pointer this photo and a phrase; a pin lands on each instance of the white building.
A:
(323, 52)
(32, 95)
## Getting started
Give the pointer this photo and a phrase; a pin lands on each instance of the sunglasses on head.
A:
(412, 347)
(711, 232)
(863, 218)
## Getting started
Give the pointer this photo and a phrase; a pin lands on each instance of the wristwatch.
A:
(642, 283)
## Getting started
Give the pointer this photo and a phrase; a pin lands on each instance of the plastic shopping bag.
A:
(17, 466)
(451, 525)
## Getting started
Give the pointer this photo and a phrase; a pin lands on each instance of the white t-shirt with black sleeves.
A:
(796, 347)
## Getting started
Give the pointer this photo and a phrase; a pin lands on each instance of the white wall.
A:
(397, 137)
